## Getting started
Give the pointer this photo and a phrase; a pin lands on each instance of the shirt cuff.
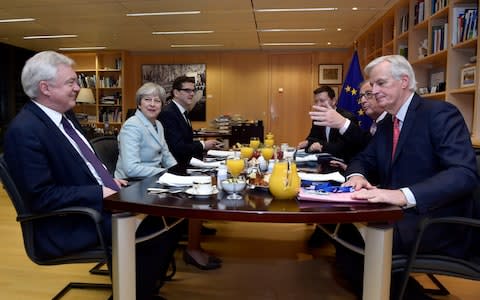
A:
(203, 144)
(411, 201)
(345, 126)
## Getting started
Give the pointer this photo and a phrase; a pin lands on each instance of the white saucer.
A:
(192, 192)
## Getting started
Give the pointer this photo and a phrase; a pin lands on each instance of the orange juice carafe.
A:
(284, 182)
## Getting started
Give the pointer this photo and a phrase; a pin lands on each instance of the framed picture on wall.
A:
(330, 74)
(165, 74)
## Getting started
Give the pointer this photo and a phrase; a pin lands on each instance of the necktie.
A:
(107, 179)
(396, 134)
(185, 113)
(373, 128)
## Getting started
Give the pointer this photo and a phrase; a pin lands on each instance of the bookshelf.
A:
(103, 73)
(440, 39)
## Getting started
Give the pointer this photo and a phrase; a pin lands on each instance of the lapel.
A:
(148, 125)
(181, 119)
(407, 126)
(57, 136)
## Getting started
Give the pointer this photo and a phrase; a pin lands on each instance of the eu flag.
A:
(348, 98)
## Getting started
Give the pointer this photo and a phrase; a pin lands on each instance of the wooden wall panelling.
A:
(244, 88)
(289, 119)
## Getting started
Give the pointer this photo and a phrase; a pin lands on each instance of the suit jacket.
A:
(336, 145)
(436, 161)
(179, 135)
(143, 150)
(50, 174)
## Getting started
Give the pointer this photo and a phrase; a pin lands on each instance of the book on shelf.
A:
(403, 51)
(403, 23)
(438, 5)
(419, 12)
(87, 81)
(465, 22)
(439, 37)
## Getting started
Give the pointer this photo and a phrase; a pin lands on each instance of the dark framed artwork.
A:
(330, 74)
(165, 74)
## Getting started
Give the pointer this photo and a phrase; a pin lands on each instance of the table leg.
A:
(123, 256)
(378, 263)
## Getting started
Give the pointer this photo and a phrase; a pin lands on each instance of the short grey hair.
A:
(399, 67)
(43, 66)
(150, 89)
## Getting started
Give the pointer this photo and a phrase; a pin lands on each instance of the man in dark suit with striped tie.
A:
(54, 167)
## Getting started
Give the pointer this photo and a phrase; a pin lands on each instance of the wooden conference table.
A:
(256, 206)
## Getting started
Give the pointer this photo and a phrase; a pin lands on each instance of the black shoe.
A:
(208, 231)
(211, 265)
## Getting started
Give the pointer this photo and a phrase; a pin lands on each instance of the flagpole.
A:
(355, 45)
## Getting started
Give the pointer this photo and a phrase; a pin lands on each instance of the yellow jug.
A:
(284, 182)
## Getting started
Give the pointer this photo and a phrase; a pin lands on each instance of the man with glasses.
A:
(177, 125)
(179, 137)
(351, 135)
(327, 137)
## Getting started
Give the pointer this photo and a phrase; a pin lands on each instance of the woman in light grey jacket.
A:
(143, 149)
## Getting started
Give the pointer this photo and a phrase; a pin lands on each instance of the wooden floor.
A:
(261, 262)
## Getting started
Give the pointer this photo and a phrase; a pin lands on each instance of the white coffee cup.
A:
(202, 186)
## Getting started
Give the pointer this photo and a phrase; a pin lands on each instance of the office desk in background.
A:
(256, 206)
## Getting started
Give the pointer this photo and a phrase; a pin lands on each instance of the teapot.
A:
(284, 182)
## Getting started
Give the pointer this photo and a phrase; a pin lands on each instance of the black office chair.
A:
(467, 268)
(106, 148)
(27, 221)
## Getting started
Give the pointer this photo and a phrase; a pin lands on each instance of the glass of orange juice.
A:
(246, 152)
(269, 142)
(235, 166)
(254, 142)
(267, 153)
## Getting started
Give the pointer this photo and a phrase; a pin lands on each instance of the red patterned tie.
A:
(396, 134)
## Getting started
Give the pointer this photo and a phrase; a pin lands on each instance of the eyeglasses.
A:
(188, 91)
(367, 95)
(153, 100)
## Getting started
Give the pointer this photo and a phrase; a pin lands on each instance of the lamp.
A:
(85, 96)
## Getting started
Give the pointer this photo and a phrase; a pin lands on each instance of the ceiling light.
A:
(82, 48)
(194, 46)
(166, 13)
(182, 32)
(291, 30)
(16, 20)
(354, 8)
(61, 36)
(295, 9)
(329, 43)
(288, 44)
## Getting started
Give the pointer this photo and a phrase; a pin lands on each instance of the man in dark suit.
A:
(177, 125)
(52, 170)
(424, 159)
(179, 137)
(324, 138)
(353, 136)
